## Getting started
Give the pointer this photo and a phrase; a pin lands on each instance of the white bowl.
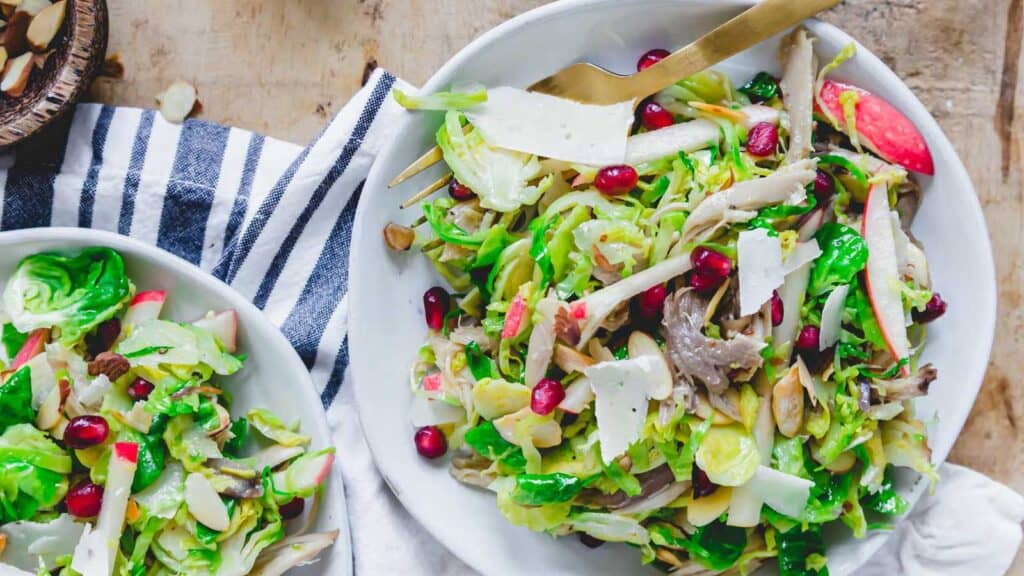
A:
(386, 290)
(273, 377)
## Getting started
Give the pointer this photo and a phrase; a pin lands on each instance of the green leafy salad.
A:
(118, 453)
(691, 324)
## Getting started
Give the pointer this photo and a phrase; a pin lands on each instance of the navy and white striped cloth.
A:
(274, 220)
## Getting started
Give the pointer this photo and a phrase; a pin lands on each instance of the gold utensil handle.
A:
(755, 25)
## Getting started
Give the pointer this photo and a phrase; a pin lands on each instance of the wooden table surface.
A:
(284, 67)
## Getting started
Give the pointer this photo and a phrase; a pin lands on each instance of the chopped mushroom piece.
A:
(905, 388)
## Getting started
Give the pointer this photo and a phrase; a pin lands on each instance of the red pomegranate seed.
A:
(103, 338)
(778, 308)
(702, 485)
(140, 389)
(935, 308)
(763, 139)
(546, 396)
(430, 442)
(616, 180)
(292, 509)
(84, 500)
(822, 185)
(651, 301)
(655, 117)
(709, 263)
(589, 541)
(85, 431)
(705, 285)
(459, 191)
(435, 307)
(650, 58)
(808, 340)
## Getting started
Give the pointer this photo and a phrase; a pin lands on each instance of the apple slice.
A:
(34, 345)
(305, 474)
(881, 127)
(881, 273)
(94, 555)
(145, 306)
(223, 325)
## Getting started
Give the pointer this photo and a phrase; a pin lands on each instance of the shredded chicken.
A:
(904, 388)
(798, 93)
(694, 356)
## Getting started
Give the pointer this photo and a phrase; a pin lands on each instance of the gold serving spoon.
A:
(592, 84)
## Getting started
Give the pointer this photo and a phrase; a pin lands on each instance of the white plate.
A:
(387, 288)
(273, 377)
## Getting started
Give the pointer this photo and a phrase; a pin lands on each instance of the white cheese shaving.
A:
(832, 317)
(92, 555)
(687, 137)
(784, 493)
(554, 127)
(803, 253)
(622, 389)
(760, 268)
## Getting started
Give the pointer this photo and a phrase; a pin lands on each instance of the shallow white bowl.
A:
(386, 291)
(273, 377)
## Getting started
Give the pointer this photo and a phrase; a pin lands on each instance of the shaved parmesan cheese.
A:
(832, 317)
(784, 493)
(622, 389)
(92, 555)
(554, 127)
(760, 268)
(744, 507)
(803, 253)
(656, 144)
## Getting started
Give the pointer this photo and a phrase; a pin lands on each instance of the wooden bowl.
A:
(80, 48)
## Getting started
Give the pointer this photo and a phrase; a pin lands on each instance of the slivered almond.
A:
(569, 360)
(45, 25)
(177, 102)
(16, 75)
(204, 503)
(14, 34)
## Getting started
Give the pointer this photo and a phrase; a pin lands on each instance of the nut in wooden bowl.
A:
(50, 51)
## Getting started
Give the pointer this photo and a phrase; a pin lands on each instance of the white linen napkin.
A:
(274, 220)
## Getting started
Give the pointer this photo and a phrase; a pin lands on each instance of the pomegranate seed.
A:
(702, 485)
(103, 338)
(650, 58)
(709, 263)
(546, 396)
(459, 191)
(655, 117)
(778, 308)
(935, 308)
(763, 139)
(430, 442)
(822, 185)
(140, 389)
(85, 431)
(616, 180)
(589, 541)
(651, 301)
(808, 340)
(705, 285)
(84, 500)
(292, 509)
(435, 307)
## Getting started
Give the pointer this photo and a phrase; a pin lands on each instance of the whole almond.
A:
(109, 363)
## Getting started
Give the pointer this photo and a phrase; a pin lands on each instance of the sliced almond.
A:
(569, 360)
(398, 237)
(177, 102)
(3, 57)
(49, 413)
(45, 25)
(10, 3)
(16, 75)
(640, 344)
(205, 504)
(14, 34)
(33, 7)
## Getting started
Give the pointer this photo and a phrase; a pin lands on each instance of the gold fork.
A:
(592, 84)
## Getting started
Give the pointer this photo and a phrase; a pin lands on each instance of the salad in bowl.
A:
(119, 450)
(691, 324)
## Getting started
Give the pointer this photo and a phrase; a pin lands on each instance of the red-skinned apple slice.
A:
(223, 325)
(35, 344)
(145, 306)
(881, 127)
(882, 275)
(94, 555)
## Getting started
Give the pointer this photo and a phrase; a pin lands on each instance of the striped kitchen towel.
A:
(274, 220)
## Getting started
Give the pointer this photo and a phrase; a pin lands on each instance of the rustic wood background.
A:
(284, 67)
